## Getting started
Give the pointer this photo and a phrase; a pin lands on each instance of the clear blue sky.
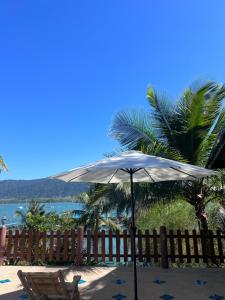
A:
(66, 67)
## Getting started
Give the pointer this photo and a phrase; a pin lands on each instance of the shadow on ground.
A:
(106, 283)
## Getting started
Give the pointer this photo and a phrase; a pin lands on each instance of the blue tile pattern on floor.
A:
(120, 281)
(81, 281)
(200, 282)
(24, 296)
(166, 297)
(119, 297)
(216, 297)
(5, 281)
(158, 281)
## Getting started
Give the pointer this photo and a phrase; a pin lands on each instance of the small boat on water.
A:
(20, 207)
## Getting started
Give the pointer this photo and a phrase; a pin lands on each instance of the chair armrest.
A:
(76, 279)
(76, 293)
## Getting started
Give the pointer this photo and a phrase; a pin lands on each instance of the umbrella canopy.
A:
(134, 166)
(145, 168)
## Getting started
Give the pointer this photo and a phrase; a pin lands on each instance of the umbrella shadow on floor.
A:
(110, 283)
(13, 295)
(105, 283)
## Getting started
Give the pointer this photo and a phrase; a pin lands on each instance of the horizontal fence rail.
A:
(162, 247)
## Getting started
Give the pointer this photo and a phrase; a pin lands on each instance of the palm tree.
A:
(97, 208)
(187, 131)
(109, 205)
(34, 208)
(3, 166)
(117, 197)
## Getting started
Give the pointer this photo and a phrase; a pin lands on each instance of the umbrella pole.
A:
(134, 235)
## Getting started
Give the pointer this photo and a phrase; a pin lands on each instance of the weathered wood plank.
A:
(155, 246)
(147, 246)
(195, 243)
(103, 245)
(187, 244)
(140, 254)
(110, 246)
(58, 246)
(125, 249)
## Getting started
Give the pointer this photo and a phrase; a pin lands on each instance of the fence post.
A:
(163, 247)
(2, 241)
(80, 243)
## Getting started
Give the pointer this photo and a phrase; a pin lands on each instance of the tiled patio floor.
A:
(117, 283)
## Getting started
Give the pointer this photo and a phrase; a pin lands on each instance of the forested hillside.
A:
(39, 188)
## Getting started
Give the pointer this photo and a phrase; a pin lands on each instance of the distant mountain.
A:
(40, 188)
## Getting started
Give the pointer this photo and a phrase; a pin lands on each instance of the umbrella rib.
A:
(125, 170)
(149, 175)
(131, 170)
(114, 173)
(78, 176)
(183, 172)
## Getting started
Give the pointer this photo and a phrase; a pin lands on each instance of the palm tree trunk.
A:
(200, 214)
(204, 223)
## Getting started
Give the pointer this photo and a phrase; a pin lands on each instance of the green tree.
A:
(187, 131)
(51, 221)
(97, 211)
(36, 217)
(117, 198)
(34, 209)
(177, 214)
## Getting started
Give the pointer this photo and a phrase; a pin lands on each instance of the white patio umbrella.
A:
(134, 166)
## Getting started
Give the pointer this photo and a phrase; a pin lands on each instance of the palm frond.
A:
(3, 166)
(214, 103)
(162, 112)
(132, 128)
(217, 140)
(195, 116)
(111, 224)
(163, 150)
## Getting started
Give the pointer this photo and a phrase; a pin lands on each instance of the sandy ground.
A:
(108, 282)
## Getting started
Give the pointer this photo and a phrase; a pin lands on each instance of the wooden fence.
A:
(74, 245)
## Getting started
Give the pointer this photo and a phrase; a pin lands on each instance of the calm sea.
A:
(8, 210)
